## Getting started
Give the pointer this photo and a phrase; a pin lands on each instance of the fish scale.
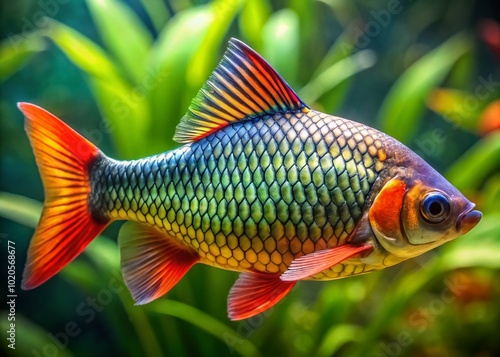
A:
(256, 194)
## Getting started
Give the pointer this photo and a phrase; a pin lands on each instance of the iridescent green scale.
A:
(256, 194)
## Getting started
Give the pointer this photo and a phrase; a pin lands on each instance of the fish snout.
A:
(468, 220)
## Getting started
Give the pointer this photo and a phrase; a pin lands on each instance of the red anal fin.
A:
(152, 261)
(254, 293)
(314, 263)
(242, 86)
(66, 226)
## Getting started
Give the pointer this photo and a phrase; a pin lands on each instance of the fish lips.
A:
(468, 220)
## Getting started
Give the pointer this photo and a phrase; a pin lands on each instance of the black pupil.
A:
(435, 208)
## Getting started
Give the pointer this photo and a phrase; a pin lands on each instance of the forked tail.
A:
(66, 226)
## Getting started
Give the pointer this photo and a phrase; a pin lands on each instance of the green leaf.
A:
(336, 74)
(15, 51)
(472, 169)
(20, 209)
(207, 323)
(84, 53)
(204, 59)
(309, 28)
(123, 34)
(336, 337)
(82, 275)
(253, 17)
(404, 105)
(30, 338)
(491, 195)
(330, 95)
(157, 12)
(170, 56)
(126, 116)
(341, 48)
(281, 44)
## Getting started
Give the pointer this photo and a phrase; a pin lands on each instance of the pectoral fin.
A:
(314, 263)
(152, 262)
(254, 293)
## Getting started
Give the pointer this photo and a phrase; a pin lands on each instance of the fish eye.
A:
(435, 207)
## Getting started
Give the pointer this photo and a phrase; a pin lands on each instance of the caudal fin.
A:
(66, 226)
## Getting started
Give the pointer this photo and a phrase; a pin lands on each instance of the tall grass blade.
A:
(337, 73)
(281, 44)
(30, 338)
(170, 56)
(204, 59)
(15, 53)
(84, 53)
(252, 19)
(157, 12)
(126, 116)
(123, 34)
(336, 337)
(206, 323)
(491, 195)
(20, 209)
(404, 105)
(470, 171)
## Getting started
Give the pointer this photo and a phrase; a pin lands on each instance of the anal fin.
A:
(152, 261)
(254, 293)
(314, 263)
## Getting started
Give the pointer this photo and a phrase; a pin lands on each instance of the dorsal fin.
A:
(242, 86)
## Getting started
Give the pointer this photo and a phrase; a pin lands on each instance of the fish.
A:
(262, 185)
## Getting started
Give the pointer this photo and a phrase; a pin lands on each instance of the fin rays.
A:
(243, 86)
(254, 293)
(66, 226)
(152, 261)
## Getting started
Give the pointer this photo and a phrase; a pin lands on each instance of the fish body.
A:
(264, 185)
(256, 194)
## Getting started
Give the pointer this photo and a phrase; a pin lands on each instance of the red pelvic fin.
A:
(152, 261)
(314, 263)
(254, 293)
(66, 226)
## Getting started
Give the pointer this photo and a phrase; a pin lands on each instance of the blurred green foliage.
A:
(138, 64)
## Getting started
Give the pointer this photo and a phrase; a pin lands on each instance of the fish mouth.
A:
(468, 220)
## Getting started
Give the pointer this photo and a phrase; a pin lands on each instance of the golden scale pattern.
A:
(255, 194)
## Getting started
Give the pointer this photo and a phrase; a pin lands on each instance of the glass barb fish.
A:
(264, 185)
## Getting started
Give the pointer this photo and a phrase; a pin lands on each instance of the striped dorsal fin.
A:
(242, 86)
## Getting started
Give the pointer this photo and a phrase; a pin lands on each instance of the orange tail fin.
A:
(66, 226)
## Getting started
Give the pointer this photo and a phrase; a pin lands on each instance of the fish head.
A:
(418, 210)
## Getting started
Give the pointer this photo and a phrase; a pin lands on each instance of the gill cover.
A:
(385, 214)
